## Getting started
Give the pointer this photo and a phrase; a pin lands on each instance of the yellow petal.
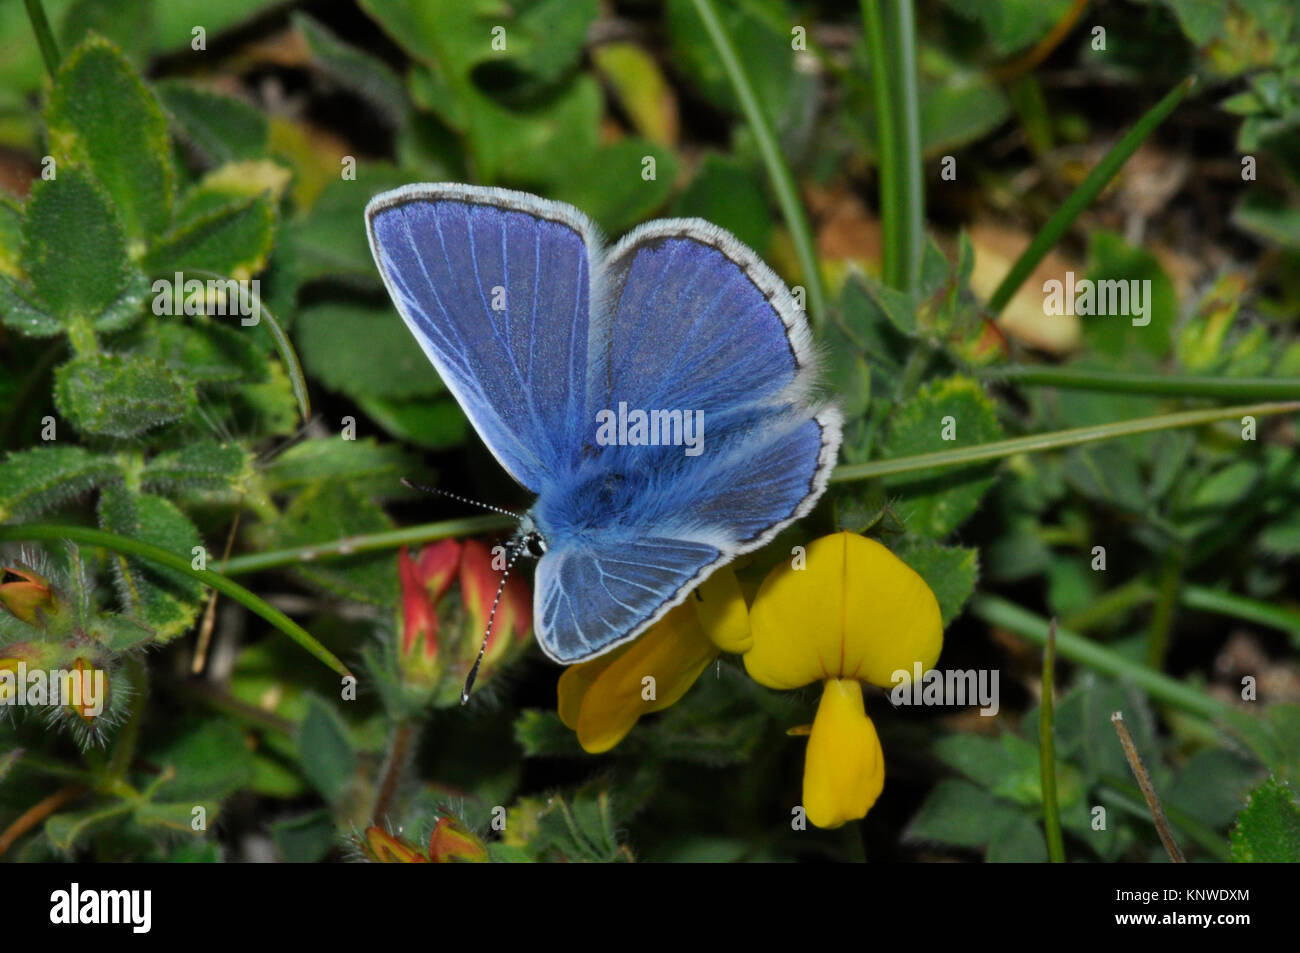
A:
(721, 608)
(575, 681)
(649, 675)
(855, 610)
(845, 767)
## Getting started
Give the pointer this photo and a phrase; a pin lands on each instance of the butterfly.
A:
(657, 396)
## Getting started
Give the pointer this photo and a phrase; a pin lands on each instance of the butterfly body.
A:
(655, 396)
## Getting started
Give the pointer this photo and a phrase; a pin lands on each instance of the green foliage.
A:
(1268, 829)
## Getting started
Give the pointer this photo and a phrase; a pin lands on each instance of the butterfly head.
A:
(528, 539)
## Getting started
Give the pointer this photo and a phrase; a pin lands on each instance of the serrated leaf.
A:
(75, 254)
(1268, 830)
(220, 127)
(363, 351)
(117, 395)
(163, 599)
(102, 115)
(204, 466)
(933, 503)
(233, 240)
(324, 752)
(950, 571)
(32, 481)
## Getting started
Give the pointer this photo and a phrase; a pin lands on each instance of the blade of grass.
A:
(1056, 439)
(1166, 385)
(1007, 615)
(44, 38)
(891, 41)
(155, 554)
(1047, 752)
(1242, 607)
(351, 545)
(783, 184)
(1084, 195)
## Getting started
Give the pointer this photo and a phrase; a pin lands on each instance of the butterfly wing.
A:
(495, 285)
(689, 319)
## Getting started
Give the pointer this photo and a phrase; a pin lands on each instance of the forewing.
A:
(495, 286)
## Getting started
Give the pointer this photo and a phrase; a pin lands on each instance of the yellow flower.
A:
(843, 612)
(849, 612)
(602, 699)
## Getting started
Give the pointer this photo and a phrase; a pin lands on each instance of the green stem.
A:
(1084, 195)
(351, 545)
(1166, 385)
(124, 749)
(891, 38)
(783, 184)
(155, 554)
(1242, 607)
(44, 37)
(1047, 752)
(1162, 618)
(983, 452)
(998, 611)
(1118, 602)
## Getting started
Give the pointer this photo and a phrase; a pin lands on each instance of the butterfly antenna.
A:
(515, 553)
(463, 499)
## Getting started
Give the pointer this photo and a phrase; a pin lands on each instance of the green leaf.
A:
(1017, 840)
(1268, 830)
(363, 75)
(950, 571)
(65, 831)
(103, 116)
(117, 395)
(960, 814)
(363, 351)
(198, 470)
(97, 283)
(233, 240)
(220, 128)
(1108, 473)
(432, 424)
(333, 458)
(303, 838)
(331, 511)
(324, 752)
(19, 312)
(1213, 785)
(729, 194)
(211, 759)
(174, 816)
(1012, 25)
(328, 243)
(32, 481)
(1115, 335)
(128, 23)
(207, 351)
(934, 503)
(163, 599)
(610, 184)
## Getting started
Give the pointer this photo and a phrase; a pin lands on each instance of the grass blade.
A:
(1163, 385)
(783, 184)
(1047, 751)
(1084, 195)
(156, 554)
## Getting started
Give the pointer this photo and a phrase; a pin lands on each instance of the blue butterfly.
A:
(656, 396)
